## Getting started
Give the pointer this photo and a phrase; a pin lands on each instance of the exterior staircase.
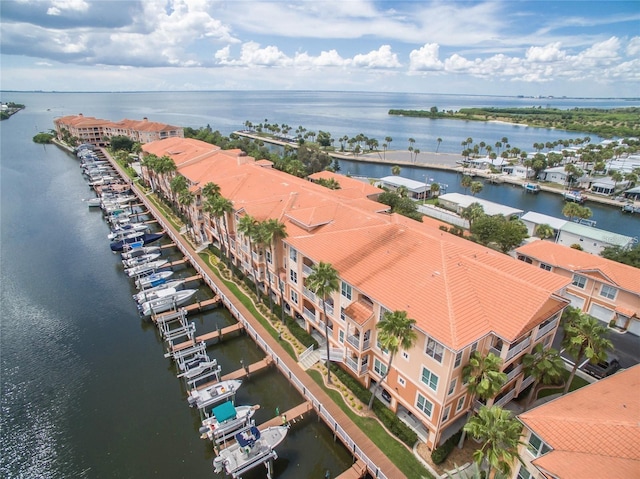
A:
(308, 360)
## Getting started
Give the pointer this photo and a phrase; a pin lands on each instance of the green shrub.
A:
(439, 454)
(299, 333)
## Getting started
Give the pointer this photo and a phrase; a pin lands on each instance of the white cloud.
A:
(633, 47)
(252, 55)
(425, 58)
(547, 53)
(381, 58)
(59, 6)
(326, 59)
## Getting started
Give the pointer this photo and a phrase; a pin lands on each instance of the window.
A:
(342, 315)
(346, 290)
(452, 386)
(379, 367)
(341, 336)
(293, 254)
(293, 276)
(268, 255)
(474, 347)
(429, 379)
(445, 415)
(460, 403)
(545, 266)
(405, 355)
(608, 292)
(379, 346)
(579, 281)
(424, 405)
(294, 297)
(456, 364)
(401, 381)
(523, 473)
(435, 349)
(536, 447)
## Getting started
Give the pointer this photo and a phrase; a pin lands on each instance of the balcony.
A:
(306, 270)
(328, 306)
(495, 351)
(358, 369)
(506, 398)
(518, 348)
(514, 372)
(526, 382)
(355, 342)
(311, 315)
(309, 294)
(549, 327)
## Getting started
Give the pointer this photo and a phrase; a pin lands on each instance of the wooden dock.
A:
(218, 334)
(198, 306)
(169, 245)
(178, 262)
(357, 471)
(293, 415)
(248, 370)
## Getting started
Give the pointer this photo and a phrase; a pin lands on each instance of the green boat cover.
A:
(224, 412)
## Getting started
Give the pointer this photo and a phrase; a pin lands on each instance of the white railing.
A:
(305, 353)
(335, 354)
(518, 348)
(546, 329)
(290, 375)
(309, 314)
(328, 306)
(495, 351)
(354, 341)
(309, 294)
(306, 270)
(512, 374)
(504, 400)
(526, 382)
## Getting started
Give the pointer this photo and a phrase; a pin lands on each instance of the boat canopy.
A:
(224, 412)
(248, 438)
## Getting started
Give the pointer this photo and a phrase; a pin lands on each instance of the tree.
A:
(483, 378)
(545, 231)
(499, 433)
(324, 281)
(247, 226)
(617, 177)
(395, 170)
(219, 207)
(395, 332)
(472, 212)
(465, 182)
(476, 187)
(274, 231)
(585, 337)
(546, 367)
(439, 140)
(434, 188)
(630, 256)
(571, 210)
(178, 184)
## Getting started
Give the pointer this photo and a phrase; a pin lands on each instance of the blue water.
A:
(86, 391)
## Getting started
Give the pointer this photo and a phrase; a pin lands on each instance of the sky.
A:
(574, 48)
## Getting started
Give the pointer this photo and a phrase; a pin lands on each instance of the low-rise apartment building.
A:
(605, 289)
(97, 132)
(591, 432)
(463, 296)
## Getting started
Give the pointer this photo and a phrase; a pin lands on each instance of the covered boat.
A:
(225, 420)
(574, 196)
(252, 448)
(154, 279)
(531, 187)
(145, 238)
(170, 299)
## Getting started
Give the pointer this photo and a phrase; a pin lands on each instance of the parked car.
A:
(385, 395)
(603, 369)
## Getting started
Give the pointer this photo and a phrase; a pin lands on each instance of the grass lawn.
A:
(577, 383)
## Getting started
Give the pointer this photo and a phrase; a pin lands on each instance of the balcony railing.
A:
(504, 400)
(526, 382)
(495, 351)
(354, 341)
(513, 373)
(335, 354)
(358, 369)
(309, 314)
(306, 270)
(518, 348)
(328, 306)
(309, 294)
(547, 328)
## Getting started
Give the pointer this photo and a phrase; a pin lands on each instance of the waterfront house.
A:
(533, 219)
(97, 132)
(519, 171)
(605, 289)
(457, 202)
(415, 190)
(607, 187)
(460, 293)
(591, 432)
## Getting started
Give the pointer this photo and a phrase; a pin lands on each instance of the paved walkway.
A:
(360, 438)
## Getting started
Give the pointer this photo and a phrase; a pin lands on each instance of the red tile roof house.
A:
(593, 432)
(463, 296)
(605, 289)
(97, 132)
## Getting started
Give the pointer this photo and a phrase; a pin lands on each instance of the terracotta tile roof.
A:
(349, 187)
(612, 272)
(593, 431)
(359, 311)
(456, 290)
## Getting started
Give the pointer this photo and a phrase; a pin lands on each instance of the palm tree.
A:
(434, 188)
(585, 337)
(617, 177)
(483, 378)
(476, 187)
(395, 332)
(210, 189)
(571, 210)
(546, 367)
(177, 185)
(274, 231)
(439, 140)
(218, 207)
(544, 231)
(395, 170)
(472, 213)
(247, 225)
(499, 432)
(324, 281)
(465, 182)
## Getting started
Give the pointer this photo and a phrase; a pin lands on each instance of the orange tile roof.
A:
(612, 272)
(359, 312)
(593, 431)
(456, 290)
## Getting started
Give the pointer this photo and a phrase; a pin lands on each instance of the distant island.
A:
(610, 123)
(8, 109)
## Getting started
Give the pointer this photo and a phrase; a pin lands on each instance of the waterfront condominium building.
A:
(97, 132)
(464, 297)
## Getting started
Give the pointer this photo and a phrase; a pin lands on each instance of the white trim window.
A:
(424, 405)
(401, 381)
(294, 297)
(293, 276)
(345, 290)
(460, 404)
(546, 267)
(445, 415)
(458, 360)
(293, 255)
(434, 349)
(379, 367)
(579, 281)
(429, 379)
(536, 446)
(452, 386)
(405, 355)
(608, 292)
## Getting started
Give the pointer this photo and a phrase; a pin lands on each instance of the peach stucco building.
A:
(463, 296)
(97, 132)
(605, 289)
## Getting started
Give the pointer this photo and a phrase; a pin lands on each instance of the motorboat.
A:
(154, 279)
(151, 293)
(93, 202)
(531, 187)
(123, 230)
(225, 420)
(211, 395)
(169, 300)
(138, 250)
(146, 238)
(252, 448)
(140, 260)
(574, 196)
(146, 268)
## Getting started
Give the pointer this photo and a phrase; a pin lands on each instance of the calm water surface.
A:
(86, 391)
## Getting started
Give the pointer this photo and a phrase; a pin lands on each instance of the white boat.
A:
(531, 187)
(214, 394)
(163, 292)
(574, 196)
(123, 230)
(140, 260)
(146, 294)
(252, 448)
(93, 202)
(154, 279)
(146, 268)
(167, 302)
(134, 252)
(225, 420)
